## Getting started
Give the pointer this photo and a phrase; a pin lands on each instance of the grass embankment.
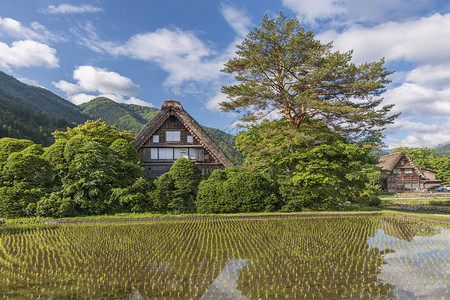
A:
(125, 217)
(437, 203)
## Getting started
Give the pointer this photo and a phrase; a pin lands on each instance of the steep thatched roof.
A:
(389, 161)
(173, 107)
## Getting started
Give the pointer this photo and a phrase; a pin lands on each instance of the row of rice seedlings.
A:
(321, 257)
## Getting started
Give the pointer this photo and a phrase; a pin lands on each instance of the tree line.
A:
(93, 169)
(313, 119)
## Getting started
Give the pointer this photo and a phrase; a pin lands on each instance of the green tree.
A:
(93, 173)
(10, 145)
(125, 150)
(96, 131)
(280, 67)
(317, 174)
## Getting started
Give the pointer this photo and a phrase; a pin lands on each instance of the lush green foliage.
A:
(78, 174)
(176, 190)
(236, 190)
(313, 166)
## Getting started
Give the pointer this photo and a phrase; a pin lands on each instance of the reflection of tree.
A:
(322, 257)
(316, 258)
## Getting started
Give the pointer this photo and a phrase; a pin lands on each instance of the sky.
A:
(146, 51)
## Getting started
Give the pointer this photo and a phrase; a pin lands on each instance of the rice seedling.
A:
(240, 258)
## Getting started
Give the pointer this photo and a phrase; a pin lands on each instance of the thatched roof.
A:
(389, 161)
(173, 107)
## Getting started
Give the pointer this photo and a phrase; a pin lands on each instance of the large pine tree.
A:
(281, 67)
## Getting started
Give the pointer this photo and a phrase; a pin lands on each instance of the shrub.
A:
(176, 190)
(236, 190)
(374, 201)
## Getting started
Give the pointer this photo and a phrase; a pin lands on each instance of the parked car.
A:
(443, 188)
(433, 188)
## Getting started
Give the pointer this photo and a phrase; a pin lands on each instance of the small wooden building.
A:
(403, 175)
(172, 133)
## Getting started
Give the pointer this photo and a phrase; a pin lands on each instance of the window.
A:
(165, 153)
(172, 136)
(408, 171)
(154, 153)
(190, 139)
(181, 152)
(192, 153)
(206, 156)
(396, 171)
(156, 139)
(402, 163)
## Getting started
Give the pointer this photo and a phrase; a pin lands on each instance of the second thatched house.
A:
(172, 133)
(401, 174)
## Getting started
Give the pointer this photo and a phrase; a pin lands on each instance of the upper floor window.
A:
(173, 136)
(156, 138)
(402, 163)
(408, 171)
(396, 171)
(190, 139)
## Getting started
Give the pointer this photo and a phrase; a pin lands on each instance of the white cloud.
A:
(71, 9)
(185, 58)
(36, 31)
(27, 54)
(422, 40)
(345, 12)
(237, 18)
(417, 133)
(94, 82)
(213, 103)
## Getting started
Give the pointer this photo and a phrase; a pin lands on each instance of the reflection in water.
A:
(346, 257)
(225, 284)
(418, 266)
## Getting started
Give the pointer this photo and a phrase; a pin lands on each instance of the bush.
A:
(236, 190)
(374, 201)
(176, 190)
(14, 200)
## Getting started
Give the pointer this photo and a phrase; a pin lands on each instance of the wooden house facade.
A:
(172, 133)
(403, 175)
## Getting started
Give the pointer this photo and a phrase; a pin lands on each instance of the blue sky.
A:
(145, 51)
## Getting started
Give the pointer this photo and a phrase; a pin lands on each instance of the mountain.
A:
(134, 117)
(29, 112)
(39, 99)
(123, 116)
(444, 149)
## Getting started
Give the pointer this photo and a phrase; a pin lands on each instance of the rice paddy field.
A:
(316, 257)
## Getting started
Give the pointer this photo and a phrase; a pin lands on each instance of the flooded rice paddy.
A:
(346, 257)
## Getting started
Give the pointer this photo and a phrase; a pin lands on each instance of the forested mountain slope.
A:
(39, 99)
(123, 116)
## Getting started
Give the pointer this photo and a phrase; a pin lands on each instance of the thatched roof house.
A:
(172, 133)
(402, 174)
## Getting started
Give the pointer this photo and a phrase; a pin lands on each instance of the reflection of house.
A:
(400, 230)
(402, 174)
(172, 133)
